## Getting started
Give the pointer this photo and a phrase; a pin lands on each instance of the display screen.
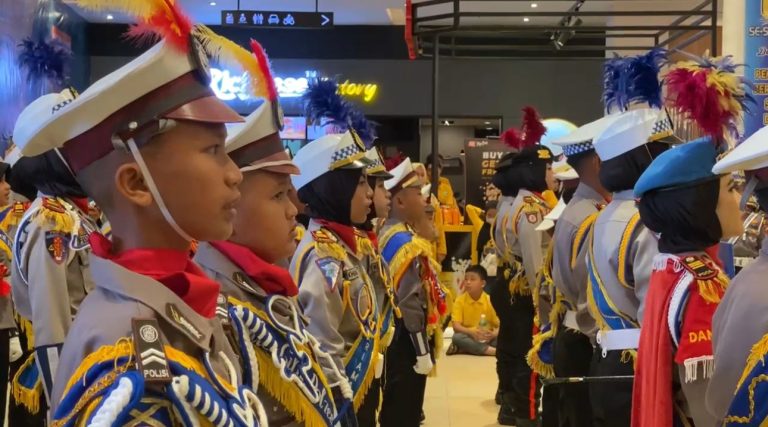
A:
(294, 128)
(314, 132)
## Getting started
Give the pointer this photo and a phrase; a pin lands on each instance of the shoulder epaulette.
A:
(328, 245)
(54, 216)
(534, 210)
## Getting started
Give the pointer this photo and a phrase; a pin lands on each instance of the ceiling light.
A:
(526, 19)
(488, 128)
(213, 3)
(534, 5)
(487, 123)
(110, 17)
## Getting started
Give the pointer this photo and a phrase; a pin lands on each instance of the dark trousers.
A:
(404, 389)
(5, 336)
(366, 415)
(611, 400)
(572, 358)
(514, 341)
(18, 415)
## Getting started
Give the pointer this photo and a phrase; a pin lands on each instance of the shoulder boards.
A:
(699, 267)
(150, 354)
(323, 236)
(53, 205)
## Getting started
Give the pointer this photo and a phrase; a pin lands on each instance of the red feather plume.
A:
(169, 23)
(265, 69)
(533, 129)
(394, 162)
(512, 139)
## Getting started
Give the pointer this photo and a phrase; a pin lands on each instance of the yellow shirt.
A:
(445, 193)
(467, 311)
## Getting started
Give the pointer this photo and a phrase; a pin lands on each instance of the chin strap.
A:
(155, 192)
(748, 190)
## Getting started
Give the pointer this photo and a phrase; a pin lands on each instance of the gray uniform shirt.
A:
(528, 244)
(608, 231)
(572, 282)
(741, 320)
(321, 282)
(120, 295)
(411, 298)
(236, 284)
(48, 291)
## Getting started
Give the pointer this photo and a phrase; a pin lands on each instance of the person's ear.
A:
(129, 182)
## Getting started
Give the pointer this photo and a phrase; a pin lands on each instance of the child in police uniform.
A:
(293, 386)
(468, 310)
(146, 346)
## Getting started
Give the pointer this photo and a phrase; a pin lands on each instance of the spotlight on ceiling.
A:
(110, 17)
(534, 5)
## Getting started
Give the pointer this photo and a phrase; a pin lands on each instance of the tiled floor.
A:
(462, 393)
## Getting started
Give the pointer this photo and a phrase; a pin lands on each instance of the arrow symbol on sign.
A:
(325, 20)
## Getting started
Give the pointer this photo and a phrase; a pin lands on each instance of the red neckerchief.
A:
(271, 278)
(652, 395)
(82, 203)
(345, 232)
(170, 267)
(374, 239)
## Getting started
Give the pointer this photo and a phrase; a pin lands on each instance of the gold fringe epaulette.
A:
(13, 217)
(25, 325)
(28, 397)
(546, 370)
(417, 247)
(327, 245)
(53, 216)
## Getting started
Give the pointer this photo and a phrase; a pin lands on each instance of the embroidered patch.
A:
(81, 240)
(699, 268)
(222, 309)
(53, 205)
(175, 315)
(330, 268)
(544, 154)
(323, 236)
(150, 355)
(532, 218)
(351, 274)
(57, 244)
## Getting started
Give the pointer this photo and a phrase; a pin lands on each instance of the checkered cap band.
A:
(573, 149)
(662, 128)
(345, 152)
(377, 164)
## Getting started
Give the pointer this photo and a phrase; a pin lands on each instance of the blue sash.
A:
(394, 244)
(748, 407)
(387, 322)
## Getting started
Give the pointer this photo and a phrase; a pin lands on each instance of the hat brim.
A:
(382, 175)
(279, 162)
(207, 109)
(356, 164)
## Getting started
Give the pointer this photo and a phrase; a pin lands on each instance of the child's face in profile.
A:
(473, 284)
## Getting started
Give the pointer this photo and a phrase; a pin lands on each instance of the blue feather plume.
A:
(44, 59)
(633, 80)
(324, 106)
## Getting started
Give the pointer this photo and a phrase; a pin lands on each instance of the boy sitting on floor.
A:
(469, 335)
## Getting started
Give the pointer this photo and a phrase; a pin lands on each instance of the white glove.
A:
(14, 349)
(424, 364)
(379, 366)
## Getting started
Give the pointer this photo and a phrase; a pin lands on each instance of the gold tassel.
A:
(53, 220)
(286, 392)
(628, 356)
(546, 370)
(26, 327)
(28, 397)
(333, 250)
(712, 290)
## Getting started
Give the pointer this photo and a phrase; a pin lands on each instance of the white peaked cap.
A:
(327, 153)
(403, 175)
(628, 131)
(552, 216)
(752, 154)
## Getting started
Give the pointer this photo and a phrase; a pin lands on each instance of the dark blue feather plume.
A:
(44, 59)
(324, 106)
(633, 80)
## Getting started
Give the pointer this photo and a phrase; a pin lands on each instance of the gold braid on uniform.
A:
(286, 392)
(543, 278)
(54, 216)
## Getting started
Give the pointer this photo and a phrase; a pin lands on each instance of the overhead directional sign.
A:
(267, 19)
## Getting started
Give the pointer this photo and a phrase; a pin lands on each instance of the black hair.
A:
(622, 172)
(48, 174)
(576, 161)
(479, 270)
(531, 177)
(761, 194)
(329, 196)
(685, 217)
(430, 158)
